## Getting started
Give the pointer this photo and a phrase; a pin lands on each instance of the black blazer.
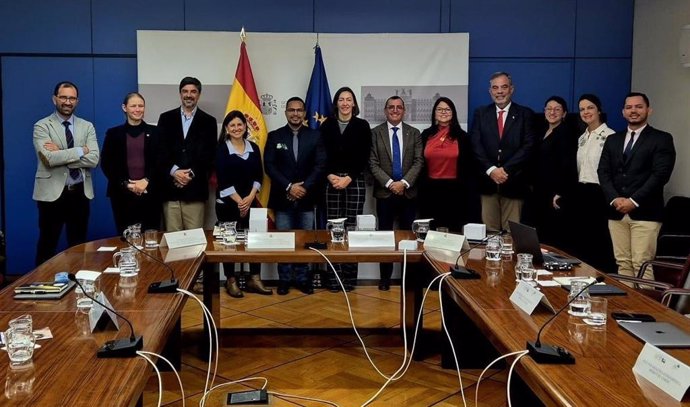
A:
(347, 153)
(512, 152)
(555, 164)
(283, 169)
(641, 176)
(114, 159)
(196, 151)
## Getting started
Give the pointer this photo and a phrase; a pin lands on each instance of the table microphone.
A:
(117, 348)
(552, 354)
(463, 273)
(158, 287)
(315, 244)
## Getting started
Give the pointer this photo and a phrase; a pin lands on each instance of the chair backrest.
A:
(676, 220)
(673, 276)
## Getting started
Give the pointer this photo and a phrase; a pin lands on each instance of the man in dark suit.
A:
(295, 159)
(502, 138)
(634, 167)
(188, 145)
(67, 150)
(396, 161)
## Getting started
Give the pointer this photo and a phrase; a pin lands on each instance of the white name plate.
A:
(445, 241)
(371, 239)
(526, 297)
(258, 220)
(101, 317)
(183, 253)
(663, 370)
(271, 240)
(183, 238)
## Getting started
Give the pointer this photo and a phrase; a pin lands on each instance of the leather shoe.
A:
(255, 285)
(232, 288)
(306, 287)
(384, 285)
(283, 288)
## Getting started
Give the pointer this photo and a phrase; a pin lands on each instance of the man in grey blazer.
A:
(67, 149)
(396, 161)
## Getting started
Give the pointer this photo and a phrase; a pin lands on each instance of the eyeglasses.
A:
(294, 110)
(444, 110)
(395, 107)
(67, 99)
(553, 109)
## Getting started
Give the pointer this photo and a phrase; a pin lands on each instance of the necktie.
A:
(397, 162)
(500, 123)
(295, 145)
(628, 147)
(73, 172)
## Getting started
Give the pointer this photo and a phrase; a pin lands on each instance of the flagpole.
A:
(243, 35)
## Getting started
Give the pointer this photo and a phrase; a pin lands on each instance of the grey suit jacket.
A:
(53, 166)
(381, 159)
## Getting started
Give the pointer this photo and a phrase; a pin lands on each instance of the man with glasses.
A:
(295, 159)
(503, 139)
(67, 149)
(396, 161)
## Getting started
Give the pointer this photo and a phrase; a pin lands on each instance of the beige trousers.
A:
(181, 215)
(497, 210)
(634, 242)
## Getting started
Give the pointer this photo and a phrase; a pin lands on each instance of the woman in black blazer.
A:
(445, 189)
(128, 159)
(347, 139)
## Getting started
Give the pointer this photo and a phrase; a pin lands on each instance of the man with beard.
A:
(188, 140)
(67, 149)
(634, 167)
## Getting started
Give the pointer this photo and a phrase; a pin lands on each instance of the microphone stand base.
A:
(165, 286)
(121, 348)
(550, 354)
(462, 273)
(315, 245)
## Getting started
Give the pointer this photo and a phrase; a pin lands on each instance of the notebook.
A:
(601, 289)
(43, 295)
(659, 334)
(526, 240)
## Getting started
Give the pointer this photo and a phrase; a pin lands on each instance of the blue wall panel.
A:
(610, 80)
(534, 81)
(604, 28)
(366, 16)
(27, 89)
(516, 28)
(258, 15)
(45, 26)
(115, 24)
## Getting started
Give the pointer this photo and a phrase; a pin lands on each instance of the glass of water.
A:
(493, 248)
(20, 346)
(523, 260)
(151, 238)
(597, 311)
(581, 305)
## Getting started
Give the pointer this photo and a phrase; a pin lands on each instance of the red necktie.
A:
(500, 123)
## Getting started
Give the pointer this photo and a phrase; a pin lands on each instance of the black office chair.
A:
(673, 242)
(667, 275)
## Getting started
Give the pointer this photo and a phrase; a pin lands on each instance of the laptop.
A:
(659, 334)
(526, 240)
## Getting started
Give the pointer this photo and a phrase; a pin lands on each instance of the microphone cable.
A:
(144, 354)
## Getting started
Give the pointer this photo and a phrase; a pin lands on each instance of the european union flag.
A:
(318, 95)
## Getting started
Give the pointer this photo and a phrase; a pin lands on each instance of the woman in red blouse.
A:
(444, 194)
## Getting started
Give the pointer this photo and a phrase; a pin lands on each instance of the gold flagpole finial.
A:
(243, 35)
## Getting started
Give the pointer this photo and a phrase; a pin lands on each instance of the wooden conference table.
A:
(602, 374)
(65, 370)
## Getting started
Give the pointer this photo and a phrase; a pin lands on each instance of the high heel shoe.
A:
(255, 285)
(232, 288)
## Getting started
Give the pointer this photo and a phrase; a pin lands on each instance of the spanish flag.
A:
(245, 98)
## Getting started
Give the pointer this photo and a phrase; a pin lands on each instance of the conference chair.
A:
(673, 242)
(677, 299)
(667, 275)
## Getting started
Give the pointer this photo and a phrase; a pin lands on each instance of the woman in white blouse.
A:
(592, 240)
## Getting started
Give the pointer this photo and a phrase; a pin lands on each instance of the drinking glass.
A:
(420, 230)
(507, 249)
(493, 248)
(528, 274)
(20, 346)
(337, 229)
(151, 238)
(229, 233)
(597, 312)
(91, 287)
(523, 259)
(581, 305)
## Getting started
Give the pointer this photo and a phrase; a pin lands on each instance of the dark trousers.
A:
(388, 210)
(130, 209)
(71, 209)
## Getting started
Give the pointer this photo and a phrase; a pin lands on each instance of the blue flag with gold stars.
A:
(318, 95)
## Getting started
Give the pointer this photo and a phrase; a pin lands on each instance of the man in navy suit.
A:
(188, 138)
(396, 161)
(502, 138)
(295, 159)
(634, 167)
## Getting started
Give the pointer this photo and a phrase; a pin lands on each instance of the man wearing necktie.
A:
(503, 140)
(634, 167)
(67, 149)
(396, 161)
